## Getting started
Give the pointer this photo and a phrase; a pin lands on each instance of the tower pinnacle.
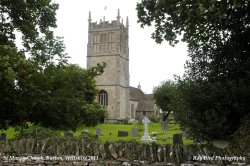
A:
(139, 86)
(89, 17)
(118, 15)
(127, 24)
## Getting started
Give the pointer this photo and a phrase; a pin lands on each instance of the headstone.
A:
(68, 134)
(164, 125)
(177, 139)
(122, 133)
(3, 136)
(134, 132)
(98, 131)
(146, 137)
(85, 132)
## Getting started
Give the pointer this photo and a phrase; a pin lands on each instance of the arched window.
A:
(103, 98)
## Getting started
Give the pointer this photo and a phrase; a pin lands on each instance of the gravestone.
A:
(85, 132)
(177, 139)
(146, 137)
(122, 133)
(68, 134)
(98, 131)
(164, 125)
(3, 136)
(134, 132)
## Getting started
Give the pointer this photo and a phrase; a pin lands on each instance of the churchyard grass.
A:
(10, 132)
(161, 138)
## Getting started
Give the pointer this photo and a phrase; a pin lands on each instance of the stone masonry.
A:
(108, 43)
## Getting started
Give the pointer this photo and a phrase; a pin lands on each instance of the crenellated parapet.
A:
(103, 24)
(108, 37)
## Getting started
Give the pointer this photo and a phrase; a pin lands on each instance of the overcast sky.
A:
(150, 63)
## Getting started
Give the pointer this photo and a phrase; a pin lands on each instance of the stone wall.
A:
(82, 151)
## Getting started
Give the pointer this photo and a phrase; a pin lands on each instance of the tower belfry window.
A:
(102, 38)
(103, 98)
(103, 42)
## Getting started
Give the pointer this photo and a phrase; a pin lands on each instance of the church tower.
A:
(108, 42)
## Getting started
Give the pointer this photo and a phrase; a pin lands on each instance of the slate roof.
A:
(145, 101)
(136, 94)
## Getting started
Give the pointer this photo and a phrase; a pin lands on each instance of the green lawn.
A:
(10, 132)
(114, 128)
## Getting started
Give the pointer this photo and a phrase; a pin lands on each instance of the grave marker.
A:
(122, 133)
(98, 131)
(68, 134)
(134, 132)
(85, 132)
(177, 139)
(146, 137)
(3, 136)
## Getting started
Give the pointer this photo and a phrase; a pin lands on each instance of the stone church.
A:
(108, 42)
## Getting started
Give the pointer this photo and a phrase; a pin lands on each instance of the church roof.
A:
(145, 101)
(136, 94)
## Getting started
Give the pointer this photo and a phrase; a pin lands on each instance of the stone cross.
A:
(145, 121)
(146, 137)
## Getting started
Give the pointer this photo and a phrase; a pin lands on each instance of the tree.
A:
(216, 85)
(65, 98)
(37, 85)
(165, 96)
(199, 22)
(34, 21)
(14, 71)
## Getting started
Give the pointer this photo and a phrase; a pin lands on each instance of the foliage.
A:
(214, 92)
(165, 97)
(211, 107)
(93, 114)
(153, 119)
(241, 138)
(65, 98)
(36, 132)
(42, 89)
(200, 22)
(34, 21)
(15, 80)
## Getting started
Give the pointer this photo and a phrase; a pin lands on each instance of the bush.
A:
(241, 138)
(211, 111)
(153, 119)
(37, 132)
